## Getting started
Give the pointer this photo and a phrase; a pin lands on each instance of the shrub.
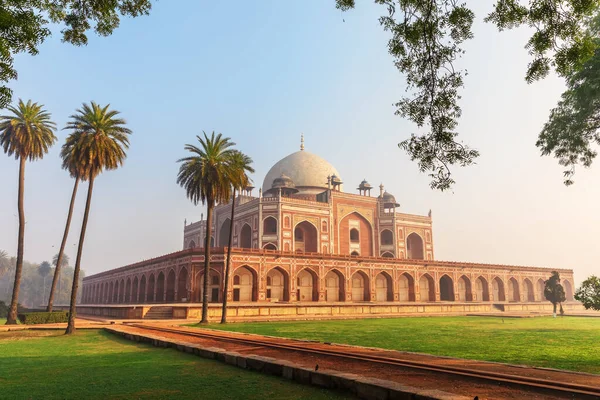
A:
(3, 310)
(33, 318)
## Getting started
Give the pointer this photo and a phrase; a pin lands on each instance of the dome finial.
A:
(302, 141)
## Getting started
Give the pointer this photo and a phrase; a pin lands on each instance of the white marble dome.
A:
(308, 171)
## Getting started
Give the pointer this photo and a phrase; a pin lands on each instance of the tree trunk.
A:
(209, 212)
(554, 312)
(226, 278)
(12, 312)
(73, 305)
(56, 277)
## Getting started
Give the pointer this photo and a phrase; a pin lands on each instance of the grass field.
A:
(98, 365)
(566, 343)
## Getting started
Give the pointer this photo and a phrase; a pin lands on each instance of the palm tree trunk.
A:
(73, 305)
(56, 277)
(12, 312)
(209, 212)
(226, 278)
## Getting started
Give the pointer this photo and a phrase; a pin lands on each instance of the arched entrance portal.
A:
(142, 295)
(528, 290)
(360, 287)
(498, 289)
(407, 288)
(464, 289)
(134, 291)
(334, 286)
(224, 233)
(384, 287)
(171, 287)
(182, 286)
(245, 240)
(160, 288)
(305, 237)
(244, 282)
(151, 298)
(278, 285)
(446, 288)
(513, 290)
(214, 286)
(568, 290)
(540, 290)
(307, 286)
(426, 288)
(414, 247)
(481, 289)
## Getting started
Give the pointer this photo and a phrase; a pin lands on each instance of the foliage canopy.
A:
(24, 25)
(426, 42)
(589, 293)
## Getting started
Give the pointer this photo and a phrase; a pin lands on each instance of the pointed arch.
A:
(182, 286)
(568, 290)
(224, 232)
(170, 295)
(122, 291)
(387, 254)
(160, 287)
(414, 247)
(142, 290)
(127, 298)
(406, 285)
(270, 226)
(278, 284)
(498, 289)
(540, 285)
(513, 290)
(214, 286)
(111, 287)
(134, 291)
(384, 287)
(245, 239)
(192, 244)
(360, 286)
(335, 285)
(482, 289)
(150, 297)
(245, 284)
(355, 234)
(465, 292)
(446, 288)
(270, 246)
(386, 237)
(427, 288)
(307, 283)
(528, 292)
(306, 237)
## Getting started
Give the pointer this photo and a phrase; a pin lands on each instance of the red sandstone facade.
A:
(303, 240)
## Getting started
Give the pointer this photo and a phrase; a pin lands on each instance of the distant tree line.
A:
(36, 280)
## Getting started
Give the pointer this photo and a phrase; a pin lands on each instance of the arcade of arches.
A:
(306, 284)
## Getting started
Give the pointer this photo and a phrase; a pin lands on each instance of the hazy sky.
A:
(262, 72)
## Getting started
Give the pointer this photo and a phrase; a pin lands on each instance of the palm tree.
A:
(241, 166)
(99, 139)
(44, 270)
(68, 153)
(205, 176)
(27, 134)
(4, 263)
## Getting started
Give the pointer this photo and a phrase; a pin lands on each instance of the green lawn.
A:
(98, 365)
(566, 343)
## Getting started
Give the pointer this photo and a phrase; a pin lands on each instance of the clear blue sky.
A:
(262, 72)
